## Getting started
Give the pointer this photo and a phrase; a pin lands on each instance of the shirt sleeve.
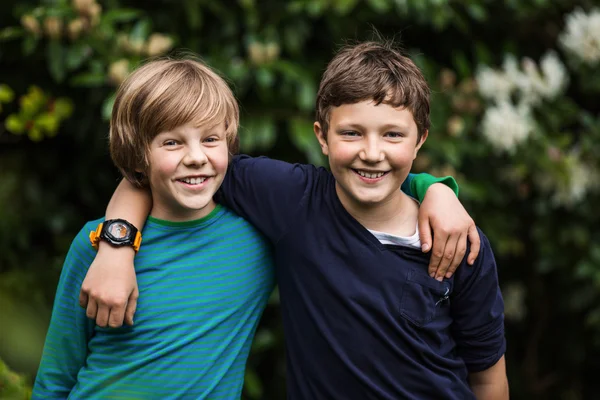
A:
(266, 192)
(65, 349)
(478, 311)
(416, 185)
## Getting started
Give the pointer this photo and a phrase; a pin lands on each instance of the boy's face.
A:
(371, 149)
(187, 167)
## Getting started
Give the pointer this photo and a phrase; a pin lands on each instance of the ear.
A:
(321, 138)
(418, 146)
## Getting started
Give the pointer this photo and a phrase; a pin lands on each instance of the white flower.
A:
(506, 126)
(547, 83)
(555, 75)
(581, 179)
(581, 36)
(493, 85)
(530, 84)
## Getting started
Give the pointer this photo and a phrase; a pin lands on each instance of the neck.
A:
(173, 214)
(396, 215)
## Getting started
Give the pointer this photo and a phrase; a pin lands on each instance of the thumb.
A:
(424, 233)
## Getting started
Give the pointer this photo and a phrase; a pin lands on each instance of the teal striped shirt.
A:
(203, 287)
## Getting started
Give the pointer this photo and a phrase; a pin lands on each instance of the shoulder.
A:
(230, 221)
(484, 266)
(277, 168)
(81, 253)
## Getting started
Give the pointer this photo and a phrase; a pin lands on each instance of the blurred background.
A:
(515, 118)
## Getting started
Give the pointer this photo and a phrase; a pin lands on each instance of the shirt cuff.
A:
(421, 182)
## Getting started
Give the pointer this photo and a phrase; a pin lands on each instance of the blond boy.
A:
(205, 273)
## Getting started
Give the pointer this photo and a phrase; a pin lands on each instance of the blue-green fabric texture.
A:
(203, 287)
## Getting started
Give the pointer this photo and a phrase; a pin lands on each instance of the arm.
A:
(109, 290)
(65, 350)
(477, 311)
(490, 384)
(442, 212)
(263, 191)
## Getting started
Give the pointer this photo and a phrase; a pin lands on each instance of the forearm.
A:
(491, 391)
(130, 203)
(492, 383)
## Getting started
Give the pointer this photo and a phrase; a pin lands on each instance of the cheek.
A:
(163, 166)
(342, 155)
(219, 158)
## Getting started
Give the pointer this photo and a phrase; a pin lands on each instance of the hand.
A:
(441, 211)
(109, 291)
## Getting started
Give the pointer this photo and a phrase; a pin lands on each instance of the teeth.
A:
(374, 175)
(193, 181)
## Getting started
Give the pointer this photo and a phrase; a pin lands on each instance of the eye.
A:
(170, 142)
(212, 139)
(394, 135)
(349, 133)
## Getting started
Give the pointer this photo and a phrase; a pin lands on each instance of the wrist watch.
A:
(117, 232)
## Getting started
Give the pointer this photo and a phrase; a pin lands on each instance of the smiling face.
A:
(371, 149)
(186, 167)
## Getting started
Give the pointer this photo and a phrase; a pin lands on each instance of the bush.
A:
(514, 113)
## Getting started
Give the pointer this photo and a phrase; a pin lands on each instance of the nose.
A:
(371, 152)
(195, 156)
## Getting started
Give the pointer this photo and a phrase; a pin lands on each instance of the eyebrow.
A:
(386, 127)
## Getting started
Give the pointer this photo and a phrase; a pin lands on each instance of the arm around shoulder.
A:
(109, 291)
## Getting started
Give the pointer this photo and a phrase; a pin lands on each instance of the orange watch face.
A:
(118, 230)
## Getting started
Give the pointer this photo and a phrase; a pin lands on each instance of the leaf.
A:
(88, 79)
(76, 55)
(29, 45)
(121, 15)
(302, 136)
(107, 106)
(141, 30)
(11, 32)
(55, 54)
(14, 124)
(193, 12)
(252, 384)
(6, 94)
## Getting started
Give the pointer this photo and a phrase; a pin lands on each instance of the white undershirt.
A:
(388, 238)
(410, 241)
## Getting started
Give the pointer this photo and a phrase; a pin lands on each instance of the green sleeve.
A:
(416, 185)
(65, 349)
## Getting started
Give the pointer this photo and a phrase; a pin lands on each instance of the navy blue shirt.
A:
(363, 320)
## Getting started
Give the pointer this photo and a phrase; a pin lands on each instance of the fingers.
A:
(102, 315)
(92, 309)
(459, 254)
(475, 241)
(447, 256)
(424, 234)
(116, 316)
(131, 306)
(439, 245)
(83, 299)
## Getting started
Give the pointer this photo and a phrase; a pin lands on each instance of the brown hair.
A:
(161, 96)
(375, 71)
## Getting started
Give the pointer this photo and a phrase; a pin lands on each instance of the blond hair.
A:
(160, 96)
(373, 70)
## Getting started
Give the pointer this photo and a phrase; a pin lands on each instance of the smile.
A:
(193, 181)
(370, 175)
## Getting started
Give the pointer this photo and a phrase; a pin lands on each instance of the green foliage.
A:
(527, 163)
(12, 385)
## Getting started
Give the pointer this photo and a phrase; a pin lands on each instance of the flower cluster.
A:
(506, 124)
(581, 36)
